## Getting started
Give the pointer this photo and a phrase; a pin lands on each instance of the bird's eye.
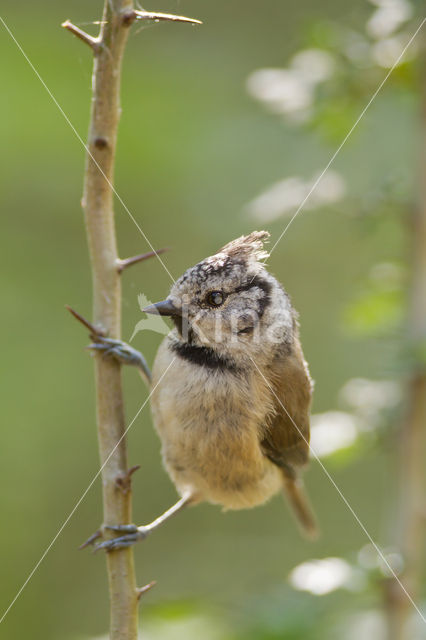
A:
(215, 298)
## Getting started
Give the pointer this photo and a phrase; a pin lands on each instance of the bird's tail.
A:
(299, 501)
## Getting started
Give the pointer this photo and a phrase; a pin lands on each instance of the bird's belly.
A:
(225, 469)
(210, 441)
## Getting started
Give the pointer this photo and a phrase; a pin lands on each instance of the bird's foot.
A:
(122, 352)
(133, 535)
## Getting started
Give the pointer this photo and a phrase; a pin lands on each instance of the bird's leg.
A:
(122, 352)
(134, 533)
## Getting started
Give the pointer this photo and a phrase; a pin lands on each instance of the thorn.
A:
(132, 470)
(123, 264)
(94, 331)
(95, 536)
(123, 481)
(149, 15)
(142, 590)
(130, 16)
(79, 33)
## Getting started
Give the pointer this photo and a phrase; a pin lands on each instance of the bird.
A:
(231, 390)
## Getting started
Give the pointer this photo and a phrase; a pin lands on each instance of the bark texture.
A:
(99, 217)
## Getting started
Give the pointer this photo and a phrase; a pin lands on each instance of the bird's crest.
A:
(249, 247)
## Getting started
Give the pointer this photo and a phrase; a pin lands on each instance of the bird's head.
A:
(228, 299)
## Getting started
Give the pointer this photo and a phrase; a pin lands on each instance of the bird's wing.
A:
(286, 440)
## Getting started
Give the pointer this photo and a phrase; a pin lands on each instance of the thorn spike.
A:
(128, 262)
(142, 590)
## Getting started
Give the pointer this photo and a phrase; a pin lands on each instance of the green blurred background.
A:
(194, 149)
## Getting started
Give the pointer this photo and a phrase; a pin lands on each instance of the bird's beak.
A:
(163, 308)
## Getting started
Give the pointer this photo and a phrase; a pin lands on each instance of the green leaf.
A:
(375, 312)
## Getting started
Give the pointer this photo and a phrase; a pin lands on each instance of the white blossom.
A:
(332, 431)
(290, 91)
(386, 52)
(321, 576)
(283, 198)
(369, 397)
(314, 65)
(282, 90)
(388, 17)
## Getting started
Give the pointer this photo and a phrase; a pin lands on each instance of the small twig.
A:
(142, 590)
(130, 16)
(85, 37)
(94, 331)
(123, 481)
(128, 262)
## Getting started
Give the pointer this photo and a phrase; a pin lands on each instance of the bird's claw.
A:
(122, 352)
(133, 535)
(122, 528)
(116, 349)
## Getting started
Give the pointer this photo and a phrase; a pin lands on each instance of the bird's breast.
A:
(210, 423)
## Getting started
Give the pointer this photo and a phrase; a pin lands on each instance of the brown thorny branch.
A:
(108, 49)
(410, 514)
